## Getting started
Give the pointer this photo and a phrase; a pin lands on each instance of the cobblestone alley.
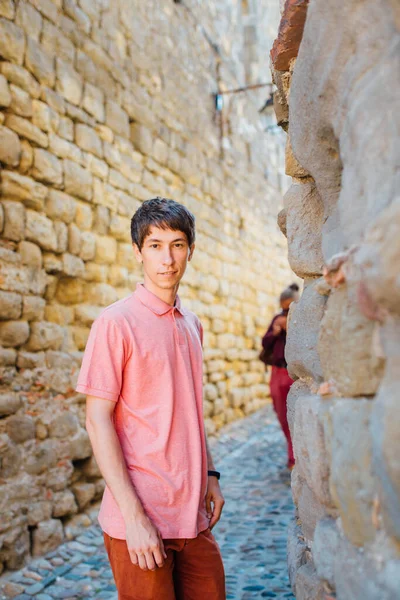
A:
(252, 534)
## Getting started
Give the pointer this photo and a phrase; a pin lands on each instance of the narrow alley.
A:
(252, 533)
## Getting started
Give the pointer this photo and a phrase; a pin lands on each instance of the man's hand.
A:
(145, 544)
(215, 498)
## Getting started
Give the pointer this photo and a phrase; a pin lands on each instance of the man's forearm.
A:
(210, 462)
(109, 457)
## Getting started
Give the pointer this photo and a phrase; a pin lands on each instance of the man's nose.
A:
(167, 257)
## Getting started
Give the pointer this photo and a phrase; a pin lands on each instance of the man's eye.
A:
(179, 245)
(154, 246)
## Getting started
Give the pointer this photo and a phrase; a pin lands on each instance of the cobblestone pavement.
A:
(252, 533)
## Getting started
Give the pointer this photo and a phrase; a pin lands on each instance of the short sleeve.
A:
(103, 361)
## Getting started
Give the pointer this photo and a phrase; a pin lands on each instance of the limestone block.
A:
(309, 508)
(346, 346)
(30, 254)
(70, 291)
(80, 446)
(93, 102)
(131, 169)
(47, 536)
(21, 77)
(96, 166)
(66, 128)
(45, 117)
(21, 102)
(10, 456)
(352, 484)
(142, 138)
(69, 83)
(326, 546)
(52, 263)
(13, 333)
(9, 403)
(84, 216)
(30, 360)
(40, 229)
(88, 246)
(87, 139)
(39, 511)
(74, 239)
(64, 504)
(46, 167)
(26, 160)
(308, 584)
(29, 19)
(64, 425)
(64, 149)
(304, 321)
(5, 95)
(12, 41)
(117, 119)
(311, 447)
(84, 493)
(106, 249)
(63, 315)
(101, 294)
(20, 428)
(72, 266)
(304, 220)
(86, 314)
(384, 431)
(48, 9)
(60, 206)
(61, 231)
(296, 551)
(77, 181)
(33, 308)
(27, 130)
(112, 155)
(39, 63)
(44, 336)
(14, 220)
(10, 305)
(298, 389)
(7, 9)
(120, 228)
(78, 15)
(19, 187)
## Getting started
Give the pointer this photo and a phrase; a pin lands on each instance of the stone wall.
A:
(339, 102)
(105, 104)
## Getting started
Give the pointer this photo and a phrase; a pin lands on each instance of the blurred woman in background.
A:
(273, 354)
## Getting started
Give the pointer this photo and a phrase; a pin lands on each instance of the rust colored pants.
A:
(280, 385)
(193, 570)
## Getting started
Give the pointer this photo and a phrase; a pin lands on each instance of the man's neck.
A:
(167, 296)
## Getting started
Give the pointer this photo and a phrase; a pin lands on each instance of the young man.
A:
(142, 374)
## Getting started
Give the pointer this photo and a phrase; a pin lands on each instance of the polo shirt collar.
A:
(154, 303)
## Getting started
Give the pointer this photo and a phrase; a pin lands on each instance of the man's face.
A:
(164, 254)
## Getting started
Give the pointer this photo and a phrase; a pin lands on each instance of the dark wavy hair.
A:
(164, 214)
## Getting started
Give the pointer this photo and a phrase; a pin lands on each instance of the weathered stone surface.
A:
(7, 9)
(12, 41)
(31, 193)
(33, 308)
(304, 219)
(21, 77)
(84, 493)
(60, 206)
(44, 336)
(301, 348)
(40, 229)
(39, 63)
(27, 130)
(20, 428)
(10, 147)
(13, 333)
(296, 551)
(326, 547)
(21, 102)
(64, 425)
(14, 220)
(309, 508)
(5, 95)
(87, 139)
(287, 44)
(142, 138)
(64, 504)
(354, 366)
(10, 456)
(48, 535)
(69, 82)
(117, 119)
(29, 19)
(9, 403)
(312, 448)
(80, 446)
(93, 102)
(308, 585)
(77, 181)
(10, 305)
(46, 167)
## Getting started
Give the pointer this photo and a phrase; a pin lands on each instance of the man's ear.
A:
(137, 252)
(191, 250)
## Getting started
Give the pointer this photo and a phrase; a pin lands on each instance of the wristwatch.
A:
(216, 474)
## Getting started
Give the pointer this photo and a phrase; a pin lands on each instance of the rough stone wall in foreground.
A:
(342, 220)
(105, 104)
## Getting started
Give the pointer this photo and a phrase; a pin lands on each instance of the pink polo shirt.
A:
(146, 356)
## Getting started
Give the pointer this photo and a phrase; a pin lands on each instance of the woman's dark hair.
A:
(294, 287)
(165, 214)
(289, 293)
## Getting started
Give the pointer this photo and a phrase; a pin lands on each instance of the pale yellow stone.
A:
(46, 167)
(12, 41)
(60, 206)
(27, 130)
(40, 229)
(33, 308)
(106, 249)
(14, 220)
(21, 102)
(10, 147)
(84, 216)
